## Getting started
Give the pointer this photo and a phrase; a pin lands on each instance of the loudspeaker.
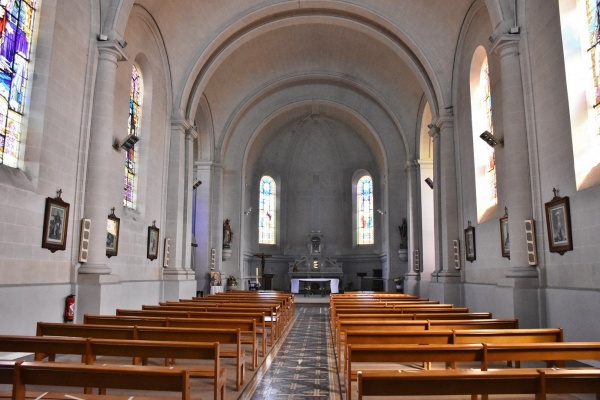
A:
(167, 252)
(213, 255)
(417, 260)
(456, 245)
(530, 239)
(84, 240)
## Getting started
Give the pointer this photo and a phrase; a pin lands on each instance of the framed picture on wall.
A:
(558, 222)
(504, 238)
(470, 251)
(112, 234)
(153, 236)
(56, 219)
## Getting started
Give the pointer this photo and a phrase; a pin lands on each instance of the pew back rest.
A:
(101, 376)
(541, 335)
(123, 320)
(154, 349)
(83, 330)
(43, 346)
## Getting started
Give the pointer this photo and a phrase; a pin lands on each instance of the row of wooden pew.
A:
(204, 330)
(382, 330)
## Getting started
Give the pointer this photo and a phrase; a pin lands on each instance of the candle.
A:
(257, 274)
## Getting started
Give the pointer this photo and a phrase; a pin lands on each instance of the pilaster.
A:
(102, 180)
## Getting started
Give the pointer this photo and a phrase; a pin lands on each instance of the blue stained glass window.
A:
(16, 35)
(266, 210)
(133, 127)
(364, 209)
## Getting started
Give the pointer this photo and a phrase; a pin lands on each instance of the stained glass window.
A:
(484, 156)
(266, 211)
(490, 168)
(580, 32)
(594, 53)
(364, 209)
(135, 111)
(16, 27)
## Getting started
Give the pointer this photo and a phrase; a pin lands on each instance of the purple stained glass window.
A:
(16, 33)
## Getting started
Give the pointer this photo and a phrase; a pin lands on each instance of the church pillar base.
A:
(97, 294)
(179, 289)
(447, 289)
(518, 298)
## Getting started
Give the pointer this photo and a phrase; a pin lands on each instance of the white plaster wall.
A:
(22, 306)
(575, 311)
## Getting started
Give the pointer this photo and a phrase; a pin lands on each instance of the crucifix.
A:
(263, 257)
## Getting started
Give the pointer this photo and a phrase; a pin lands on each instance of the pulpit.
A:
(266, 281)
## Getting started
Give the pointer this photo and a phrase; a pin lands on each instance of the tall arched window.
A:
(16, 24)
(364, 211)
(484, 156)
(579, 20)
(266, 210)
(135, 113)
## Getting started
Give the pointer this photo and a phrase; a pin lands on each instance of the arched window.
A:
(266, 210)
(580, 37)
(364, 211)
(135, 113)
(484, 156)
(16, 24)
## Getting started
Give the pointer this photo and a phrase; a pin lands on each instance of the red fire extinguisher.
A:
(69, 308)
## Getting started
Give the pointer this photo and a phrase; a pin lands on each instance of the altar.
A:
(333, 283)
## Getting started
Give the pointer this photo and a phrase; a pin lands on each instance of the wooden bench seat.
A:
(537, 382)
(246, 326)
(447, 353)
(135, 378)
(167, 350)
(230, 341)
(43, 347)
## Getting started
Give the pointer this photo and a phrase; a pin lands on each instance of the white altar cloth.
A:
(333, 283)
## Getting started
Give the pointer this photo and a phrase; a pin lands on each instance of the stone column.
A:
(447, 197)
(178, 191)
(515, 156)
(104, 162)
(434, 133)
(414, 270)
(517, 294)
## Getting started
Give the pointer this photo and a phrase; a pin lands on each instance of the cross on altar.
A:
(263, 257)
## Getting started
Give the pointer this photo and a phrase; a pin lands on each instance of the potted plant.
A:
(231, 282)
(399, 282)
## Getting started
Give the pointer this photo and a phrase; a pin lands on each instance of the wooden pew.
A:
(91, 319)
(101, 376)
(447, 353)
(447, 382)
(43, 346)
(535, 335)
(166, 350)
(570, 381)
(374, 326)
(538, 382)
(232, 337)
(272, 315)
(246, 326)
(223, 336)
(85, 331)
(473, 324)
(263, 321)
(393, 338)
(554, 354)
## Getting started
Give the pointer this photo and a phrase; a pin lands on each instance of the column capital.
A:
(111, 47)
(411, 164)
(506, 45)
(182, 124)
(191, 133)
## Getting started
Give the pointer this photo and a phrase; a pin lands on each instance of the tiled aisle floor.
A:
(303, 367)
